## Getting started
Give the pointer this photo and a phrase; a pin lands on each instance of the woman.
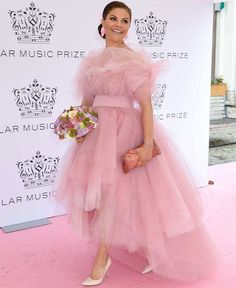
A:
(154, 209)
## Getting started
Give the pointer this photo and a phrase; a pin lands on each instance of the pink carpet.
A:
(52, 256)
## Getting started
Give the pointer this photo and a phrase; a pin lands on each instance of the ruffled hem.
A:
(155, 208)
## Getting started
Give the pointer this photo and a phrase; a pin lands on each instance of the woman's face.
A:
(116, 25)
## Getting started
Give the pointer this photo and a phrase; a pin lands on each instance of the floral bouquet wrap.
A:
(75, 122)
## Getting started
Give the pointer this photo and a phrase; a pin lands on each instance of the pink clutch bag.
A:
(129, 161)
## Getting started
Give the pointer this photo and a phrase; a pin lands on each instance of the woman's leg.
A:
(100, 261)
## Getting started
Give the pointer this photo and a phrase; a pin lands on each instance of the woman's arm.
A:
(145, 152)
(86, 102)
(147, 118)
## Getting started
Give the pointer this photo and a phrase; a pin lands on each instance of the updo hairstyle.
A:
(110, 6)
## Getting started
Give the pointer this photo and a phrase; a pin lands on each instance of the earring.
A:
(103, 32)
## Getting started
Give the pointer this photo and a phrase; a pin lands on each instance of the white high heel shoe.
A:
(147, 269)
(92, 282)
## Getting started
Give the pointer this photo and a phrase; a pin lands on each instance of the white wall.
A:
(226, 47)
(29, 150)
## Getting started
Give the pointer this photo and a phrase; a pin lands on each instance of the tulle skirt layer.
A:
(154, 210)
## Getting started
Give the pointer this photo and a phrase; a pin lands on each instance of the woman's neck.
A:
(117, 45)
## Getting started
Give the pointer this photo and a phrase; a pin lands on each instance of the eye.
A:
(125, 21)
(113, 18)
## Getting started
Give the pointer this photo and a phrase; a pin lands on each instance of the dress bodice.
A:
(117, 72)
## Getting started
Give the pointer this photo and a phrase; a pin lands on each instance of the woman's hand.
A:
(80, 139)
(144, 154)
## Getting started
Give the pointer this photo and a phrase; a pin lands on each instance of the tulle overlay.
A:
(154, 210)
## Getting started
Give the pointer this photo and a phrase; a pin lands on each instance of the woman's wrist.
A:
(148, 143)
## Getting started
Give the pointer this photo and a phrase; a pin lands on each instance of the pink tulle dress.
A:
(155, 210)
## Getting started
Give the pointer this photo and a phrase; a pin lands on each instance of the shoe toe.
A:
(147, 269)
(92, 282)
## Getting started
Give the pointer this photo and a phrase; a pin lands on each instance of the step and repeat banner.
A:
(42, 45)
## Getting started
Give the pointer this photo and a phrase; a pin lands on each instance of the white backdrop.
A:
(40, 52)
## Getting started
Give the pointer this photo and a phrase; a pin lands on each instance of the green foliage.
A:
(218, 80)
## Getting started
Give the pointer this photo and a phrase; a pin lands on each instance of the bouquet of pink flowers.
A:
(75, 122)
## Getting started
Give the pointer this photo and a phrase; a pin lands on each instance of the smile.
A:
(116, 31)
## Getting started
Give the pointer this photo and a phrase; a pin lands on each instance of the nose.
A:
(119, 23)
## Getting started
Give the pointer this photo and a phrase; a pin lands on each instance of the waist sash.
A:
(112, 101)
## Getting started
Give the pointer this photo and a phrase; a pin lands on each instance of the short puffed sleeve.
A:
(83, 83)
(141, 76)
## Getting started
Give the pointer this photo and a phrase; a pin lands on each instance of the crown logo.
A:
(158, 96)
(31, 25)
(39, 171)
(150, 30)
(35, 101)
